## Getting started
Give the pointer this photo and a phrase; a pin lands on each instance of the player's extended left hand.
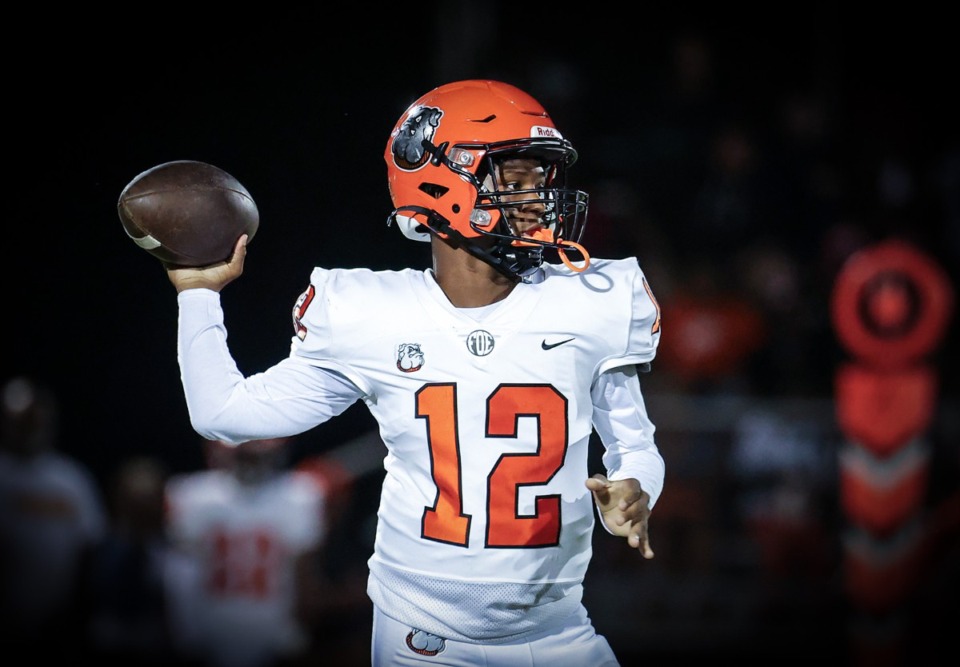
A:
(625, 509)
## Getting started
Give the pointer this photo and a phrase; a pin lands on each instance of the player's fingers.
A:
(598, 482)
(640, 539)
(235, 264)
(646, 551)
(632, 497)
(239, 249)
(600, 486)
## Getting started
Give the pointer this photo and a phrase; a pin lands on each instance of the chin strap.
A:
(580, 249)
(545, 238)
(491, 258)
(438, 225)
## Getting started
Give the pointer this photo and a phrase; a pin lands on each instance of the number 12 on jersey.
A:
(448, 520)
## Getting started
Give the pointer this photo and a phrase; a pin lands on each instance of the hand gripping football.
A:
(187, 213)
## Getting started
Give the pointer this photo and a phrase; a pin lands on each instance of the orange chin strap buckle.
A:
(546, 236)
(579, 248)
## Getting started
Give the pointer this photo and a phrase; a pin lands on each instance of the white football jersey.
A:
(242, 541)
(484, 526)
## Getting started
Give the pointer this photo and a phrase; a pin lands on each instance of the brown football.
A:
(187, 212)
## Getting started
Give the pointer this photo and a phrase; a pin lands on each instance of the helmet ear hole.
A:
(434, 190)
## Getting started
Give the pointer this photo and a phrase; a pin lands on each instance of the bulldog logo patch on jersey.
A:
(300, 309)
(423, 643)
(409, 357)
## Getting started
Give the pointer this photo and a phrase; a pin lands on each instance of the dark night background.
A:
(299, 107)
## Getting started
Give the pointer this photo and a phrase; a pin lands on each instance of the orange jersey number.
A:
(446, 521)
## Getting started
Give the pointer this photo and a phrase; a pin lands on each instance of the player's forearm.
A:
(207, 371)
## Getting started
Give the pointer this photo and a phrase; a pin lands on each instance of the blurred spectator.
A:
(714, 332)
(648, 168)
(794, 359)
(803, 175)
(129, 618)
(51, 515)
(731, 207)
(337, 612)
(783, 469)
(253, 530)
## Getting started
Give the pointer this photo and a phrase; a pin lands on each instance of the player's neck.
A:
(469, 282)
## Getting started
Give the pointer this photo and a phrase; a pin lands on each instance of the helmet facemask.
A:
(515, 252)
(560, 213)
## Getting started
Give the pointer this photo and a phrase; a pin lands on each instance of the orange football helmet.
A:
(441, 169)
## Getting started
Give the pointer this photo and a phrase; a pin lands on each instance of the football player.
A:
(487, 373)
(248, 530)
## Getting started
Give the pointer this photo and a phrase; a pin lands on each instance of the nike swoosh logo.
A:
(549, 346)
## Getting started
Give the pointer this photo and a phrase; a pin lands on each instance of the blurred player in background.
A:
(252, 530)
(129, 614)
(487, 373)
(51, 517)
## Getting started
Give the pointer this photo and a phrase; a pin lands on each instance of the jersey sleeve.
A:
(620, 415)
(643, 335)
(286, 399)
(627, 432)
(324, 318)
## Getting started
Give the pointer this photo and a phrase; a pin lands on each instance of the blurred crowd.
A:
(743, 203)
(226, 566)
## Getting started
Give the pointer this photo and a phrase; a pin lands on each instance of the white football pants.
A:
(575, 644)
